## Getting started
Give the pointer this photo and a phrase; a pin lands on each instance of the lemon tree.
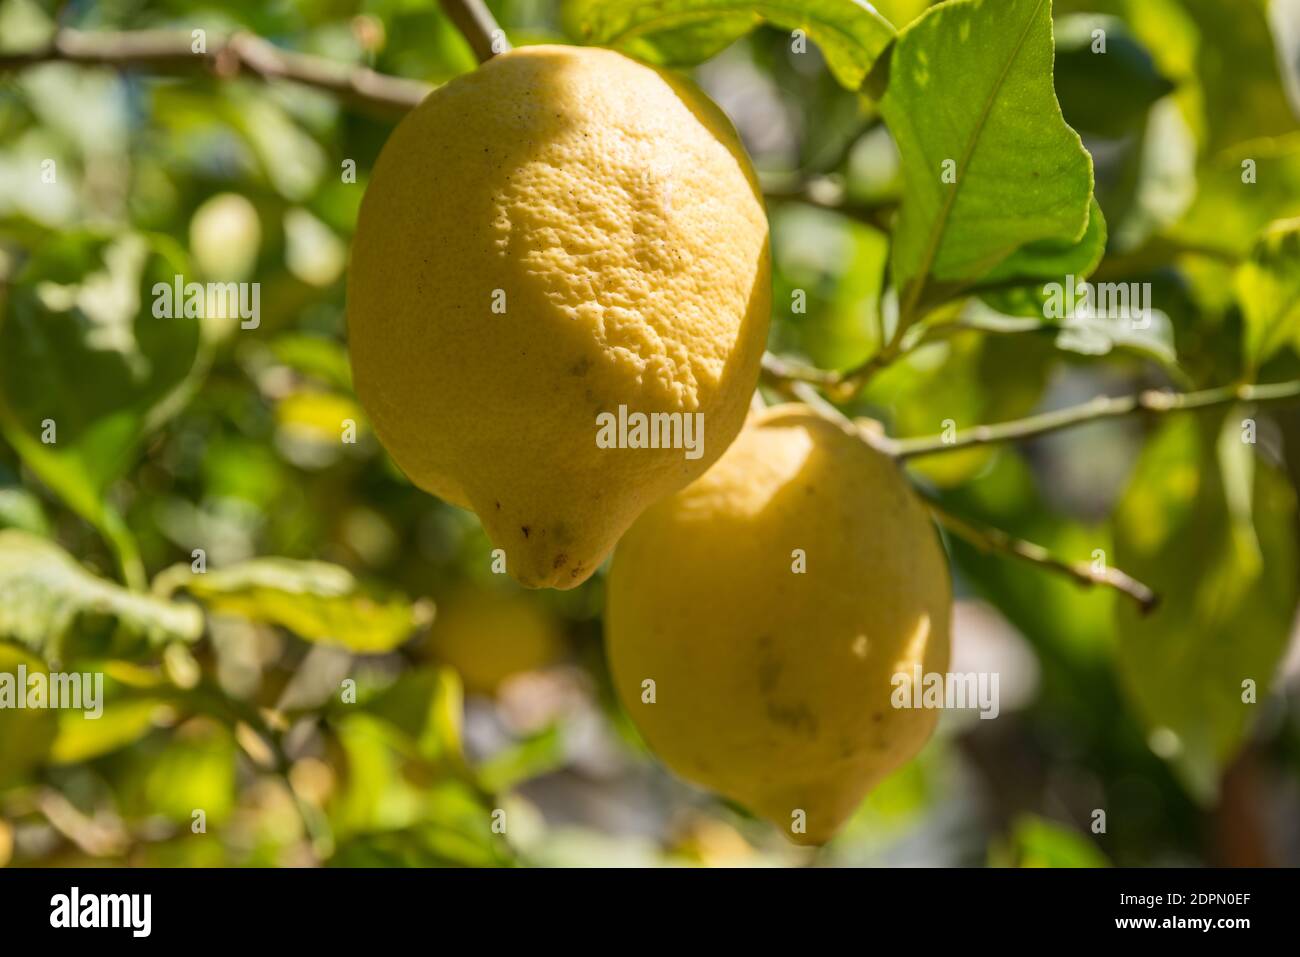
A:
(590, 431)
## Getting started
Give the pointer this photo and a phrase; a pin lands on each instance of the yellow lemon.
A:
(560, 238)
(771, 603)
(489, 634)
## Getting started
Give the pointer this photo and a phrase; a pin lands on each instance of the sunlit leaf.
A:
(86, 369)
(989, 163)
(427, 705)
(315, 600)
(315, 356)
(194, 769)
(850, 33)
(123, 720)
(20, 509)
(1268, 287)
(963, 382)
(1240, 191)
(1037, 842)
(1209, 525)
(1053, 259)
(44, 593)
(1241, 90)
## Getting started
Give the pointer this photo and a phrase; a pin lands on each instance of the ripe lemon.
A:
(489, 634)
(772, 686)
(562, 233)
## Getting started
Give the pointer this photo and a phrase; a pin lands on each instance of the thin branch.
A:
(852, 380)
(479, 27)
(778, 370)
(990, 539)
(984, 537)
(1152, 402)
(170, 51)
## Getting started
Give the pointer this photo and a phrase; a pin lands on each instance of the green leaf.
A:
(838, 266)
(1100, 335)
(1053, 258)
(44, 593)
(426, 704)
(1240, 192)
(1209, 526)
(80, 349)
(1107, 92)
(1038, 842)
(315, 600)
(25, 734)
(20, 509)
(1268, 287)
(194, 768)
(1241, 88)
(1020, 285)
(967, 380)
(968, 91)
(850, 33)
(319, 357)
(536, 755)
(1062, 619)
(87, 371)
(402, 769)
(82, 738)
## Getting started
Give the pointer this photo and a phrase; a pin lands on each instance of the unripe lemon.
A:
(490, 634)
(561, 233)
(772, 684)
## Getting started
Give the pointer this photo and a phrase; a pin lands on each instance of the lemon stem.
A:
(475, 21)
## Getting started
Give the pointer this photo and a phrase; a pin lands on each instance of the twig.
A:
(984, 537)
(778, 370)
(94, 836)
(170, 51)
(990, 539)
(1152, 401)
(476, 23)
(851, 381)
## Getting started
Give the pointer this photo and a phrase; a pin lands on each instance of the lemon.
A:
(489, 634)
(756, 619)
(560, 234)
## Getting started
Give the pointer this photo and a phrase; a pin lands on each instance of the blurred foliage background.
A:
(324, 565)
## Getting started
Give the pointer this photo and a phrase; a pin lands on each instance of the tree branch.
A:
(1152, 402)
(983, 537)
(169, 51)
(778, 370)
(479, 27)
(990, 539)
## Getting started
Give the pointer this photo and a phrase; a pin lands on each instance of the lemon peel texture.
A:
(772, 686)
(561, 233)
